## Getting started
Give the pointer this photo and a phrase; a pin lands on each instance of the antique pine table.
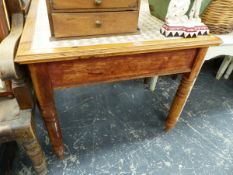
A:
(74, 62)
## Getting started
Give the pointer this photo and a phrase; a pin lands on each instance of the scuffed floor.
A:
(118, 129)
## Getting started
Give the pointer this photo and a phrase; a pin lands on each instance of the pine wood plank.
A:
(86, 24)
(109, 69)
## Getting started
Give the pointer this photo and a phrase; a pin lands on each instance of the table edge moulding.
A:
(27, 53)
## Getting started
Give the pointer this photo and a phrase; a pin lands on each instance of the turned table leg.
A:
(44, 92)
(184, 90)
(26, 137)
(34, 152)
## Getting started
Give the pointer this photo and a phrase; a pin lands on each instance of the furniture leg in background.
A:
(151, 83)
(226, 62)
(154, 80)
(184, 90)
(229, 70)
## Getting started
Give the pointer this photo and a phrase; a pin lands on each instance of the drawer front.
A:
(87, 24)
(93, 4)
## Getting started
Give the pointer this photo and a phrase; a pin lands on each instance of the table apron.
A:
(110, 69)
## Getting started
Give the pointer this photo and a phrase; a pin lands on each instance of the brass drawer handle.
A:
(98, 2)
(98, 23)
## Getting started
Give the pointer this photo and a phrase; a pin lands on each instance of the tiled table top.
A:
(149, 30)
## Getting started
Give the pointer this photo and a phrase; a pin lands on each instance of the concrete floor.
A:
(118, 129)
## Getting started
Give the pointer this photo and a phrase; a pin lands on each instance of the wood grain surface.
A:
(96, 23)
(28, 53)
(4, 30)
(44, 93)
(91, 4)
(79, 72)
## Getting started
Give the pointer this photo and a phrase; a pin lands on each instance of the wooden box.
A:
(76, 18)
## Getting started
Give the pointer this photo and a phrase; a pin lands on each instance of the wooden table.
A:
(75, 62)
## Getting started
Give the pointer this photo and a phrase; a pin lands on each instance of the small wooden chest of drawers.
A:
(75, 18)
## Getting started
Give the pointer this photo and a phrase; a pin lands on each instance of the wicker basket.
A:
(219, 16)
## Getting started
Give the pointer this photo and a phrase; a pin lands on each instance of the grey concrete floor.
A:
(117, 129)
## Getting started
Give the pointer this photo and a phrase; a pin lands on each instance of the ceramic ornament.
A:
(177, 23)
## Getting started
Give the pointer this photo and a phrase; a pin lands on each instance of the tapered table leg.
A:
(44, 92)
(184, 90)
